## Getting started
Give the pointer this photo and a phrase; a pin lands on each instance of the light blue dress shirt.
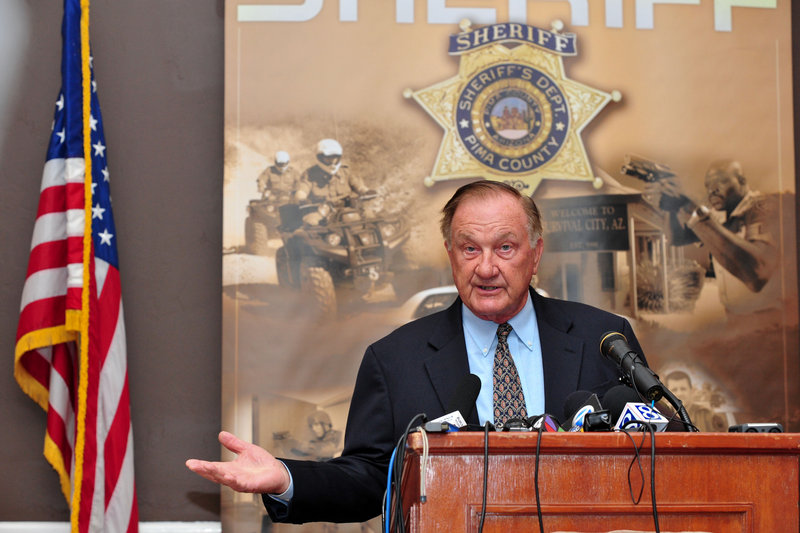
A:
(525, 347)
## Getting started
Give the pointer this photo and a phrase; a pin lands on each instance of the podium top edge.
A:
(524, 443)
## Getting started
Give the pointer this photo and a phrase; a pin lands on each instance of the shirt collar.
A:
(745, 204)
(484, 332)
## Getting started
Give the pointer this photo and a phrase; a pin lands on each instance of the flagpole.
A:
(83, 380)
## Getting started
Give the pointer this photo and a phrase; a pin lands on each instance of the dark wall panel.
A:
(159, 67)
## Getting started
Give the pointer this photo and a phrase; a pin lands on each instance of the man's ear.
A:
(538, 249)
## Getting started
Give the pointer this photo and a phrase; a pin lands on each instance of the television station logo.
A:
(511, 114)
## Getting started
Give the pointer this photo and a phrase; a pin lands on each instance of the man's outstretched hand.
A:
(253, 470)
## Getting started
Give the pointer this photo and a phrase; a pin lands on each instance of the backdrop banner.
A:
(657, 139)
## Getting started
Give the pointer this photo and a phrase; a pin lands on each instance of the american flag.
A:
(70, 352)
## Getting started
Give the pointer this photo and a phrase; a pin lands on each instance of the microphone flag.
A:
(635, 414)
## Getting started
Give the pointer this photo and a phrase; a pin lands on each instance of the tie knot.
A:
(503, 330)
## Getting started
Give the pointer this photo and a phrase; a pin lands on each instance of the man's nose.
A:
(486, 267)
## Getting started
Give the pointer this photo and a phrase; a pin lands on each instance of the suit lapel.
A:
(561, 353)
(447, 364)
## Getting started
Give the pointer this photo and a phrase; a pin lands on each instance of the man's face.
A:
(491, 256)
(681, 389)
(319, 428)
(330, 163)
(724, 189)
(330, 160)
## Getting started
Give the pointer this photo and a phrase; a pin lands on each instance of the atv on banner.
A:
(261, 225)
(349, 247)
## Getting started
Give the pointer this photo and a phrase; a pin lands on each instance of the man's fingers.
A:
(216, 472)
(205, 469)
(232, 442)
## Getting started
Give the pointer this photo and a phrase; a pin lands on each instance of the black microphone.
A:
(616, 397)
(614, 346)
(576, 407)
(459, 407)
(463, 400)
(574, 402)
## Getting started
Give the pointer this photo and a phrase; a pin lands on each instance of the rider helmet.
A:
(281, 159)
(329, 155)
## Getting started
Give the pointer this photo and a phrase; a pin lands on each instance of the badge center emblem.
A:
(512, 118)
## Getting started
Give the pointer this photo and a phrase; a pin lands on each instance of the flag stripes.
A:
(70, 353)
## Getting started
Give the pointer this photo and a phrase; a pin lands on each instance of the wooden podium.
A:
(720, 482)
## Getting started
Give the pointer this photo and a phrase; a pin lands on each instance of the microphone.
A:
(576, 407)
(597, 421)
(459, 407)
(547, 422)
(463, 400)
(614, 346)
(616, 397)
(627, 409)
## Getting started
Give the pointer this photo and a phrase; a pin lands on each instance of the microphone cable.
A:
(645, 426)
(423, 493)
(485, 474)
(536, 476)
(396, 476)
(387, 496)
(676, 416)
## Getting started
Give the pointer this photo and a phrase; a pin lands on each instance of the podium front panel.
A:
(715, 482)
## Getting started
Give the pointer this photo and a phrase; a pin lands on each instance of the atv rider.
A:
(328, 181)
(278, 181)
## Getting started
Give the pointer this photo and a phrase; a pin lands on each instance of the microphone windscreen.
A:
(616, 398)
(463, 400)
(610, 344)
(574, 402)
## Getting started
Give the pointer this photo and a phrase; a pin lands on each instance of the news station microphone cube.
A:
(640, 412)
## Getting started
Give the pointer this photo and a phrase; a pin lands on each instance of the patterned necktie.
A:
(508, 399)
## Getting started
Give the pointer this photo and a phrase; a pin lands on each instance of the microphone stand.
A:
(648, 384)
(680, 409)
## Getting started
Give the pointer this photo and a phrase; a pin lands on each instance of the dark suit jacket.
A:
(417, 369)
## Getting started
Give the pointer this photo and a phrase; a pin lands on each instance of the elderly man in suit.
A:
(530, 353)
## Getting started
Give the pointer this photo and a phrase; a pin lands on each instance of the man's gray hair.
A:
(482, 189)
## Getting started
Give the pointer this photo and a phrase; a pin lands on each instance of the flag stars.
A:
(94, 86)
(61, 136)
(93, 123)
(99, 149)
(60, 102)
(105, 237)
(97, 212)
(105, 173)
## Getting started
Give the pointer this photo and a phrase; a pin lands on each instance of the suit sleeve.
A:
(348, 488)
